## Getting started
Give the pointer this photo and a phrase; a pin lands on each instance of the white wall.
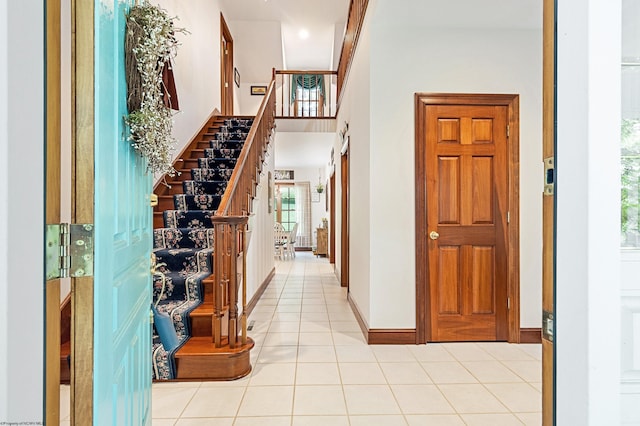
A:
(356, 110)
(197, 66)
(260, 261)
(21, 225)
(587, 326)
(247, 103)
(407, 57)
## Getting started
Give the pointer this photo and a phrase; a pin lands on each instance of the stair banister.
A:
(230, 223)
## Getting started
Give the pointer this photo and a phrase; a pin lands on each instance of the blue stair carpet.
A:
(185, 245)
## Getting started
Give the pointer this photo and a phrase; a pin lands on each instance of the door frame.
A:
(226, 68)
(423, 329)
(53, 90)
(82, 204)
(548, 206)
(332, 218)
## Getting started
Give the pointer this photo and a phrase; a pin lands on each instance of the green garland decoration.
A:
(149, 44)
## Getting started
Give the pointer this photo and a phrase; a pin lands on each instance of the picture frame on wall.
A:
(258, 90)
(283, 174)
(315, 197)
(236, 77)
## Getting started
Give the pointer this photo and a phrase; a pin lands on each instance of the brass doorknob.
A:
(434, 235)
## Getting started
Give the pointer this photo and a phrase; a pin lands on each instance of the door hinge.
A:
(547, 326)
(508, 217)
(508, 303)
(549, 176)
(226, 85)
(69, 250)
(508, 130)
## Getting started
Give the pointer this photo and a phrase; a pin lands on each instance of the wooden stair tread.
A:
(203, 346)
(206, 309)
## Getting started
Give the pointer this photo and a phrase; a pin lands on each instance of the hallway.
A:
(311, 366)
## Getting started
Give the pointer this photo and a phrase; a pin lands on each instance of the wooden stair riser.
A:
(158, 220)
(165, 202)
(202, 321)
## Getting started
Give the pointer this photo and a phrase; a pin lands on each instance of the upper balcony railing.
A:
(305, 94)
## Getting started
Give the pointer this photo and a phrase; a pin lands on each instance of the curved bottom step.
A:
(199, 359)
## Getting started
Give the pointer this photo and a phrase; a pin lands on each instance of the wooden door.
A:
(111, 331)
(332, 218)
(463, 222)
(226, 68)
(123, 238)
(548, 211)
(344, 240)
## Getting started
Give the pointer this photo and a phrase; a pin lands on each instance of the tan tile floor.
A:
(311, 366)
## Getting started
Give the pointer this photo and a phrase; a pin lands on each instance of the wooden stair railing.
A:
(355, 19)
(230, 223)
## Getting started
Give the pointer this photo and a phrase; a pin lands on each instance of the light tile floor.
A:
(312, 366)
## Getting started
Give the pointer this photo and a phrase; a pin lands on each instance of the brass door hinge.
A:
(69, 250)
(548, 326)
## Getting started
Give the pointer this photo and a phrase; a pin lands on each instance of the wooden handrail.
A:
(357, 10)
(251, 156)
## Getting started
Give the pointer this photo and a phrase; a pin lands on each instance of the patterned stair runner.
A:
(186, 242)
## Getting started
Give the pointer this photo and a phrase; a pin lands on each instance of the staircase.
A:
(201, 223)
(184, 246)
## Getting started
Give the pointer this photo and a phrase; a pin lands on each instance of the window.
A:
(293, 205)
(630, 137)
(307, 95)
(286, 206)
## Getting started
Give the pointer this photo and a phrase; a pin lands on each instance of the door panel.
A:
(466, 174)
(123, 229)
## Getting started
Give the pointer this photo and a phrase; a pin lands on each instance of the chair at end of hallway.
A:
(290, 246)
(280, 237)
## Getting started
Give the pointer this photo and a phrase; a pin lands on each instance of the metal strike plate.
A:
(549, 176)
(81, 246)
(52, 252)
(153, 200)
(547, 326)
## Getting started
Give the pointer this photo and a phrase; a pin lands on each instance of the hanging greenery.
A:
(150, 44)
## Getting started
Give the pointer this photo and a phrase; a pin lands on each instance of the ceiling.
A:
(271, 34)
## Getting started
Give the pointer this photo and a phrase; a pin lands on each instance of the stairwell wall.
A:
(355, 109)
(197, 65)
